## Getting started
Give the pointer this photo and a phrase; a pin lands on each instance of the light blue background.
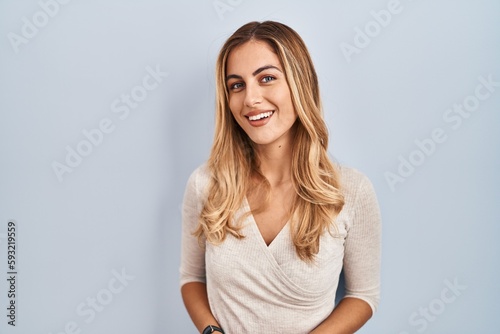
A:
(120, 208)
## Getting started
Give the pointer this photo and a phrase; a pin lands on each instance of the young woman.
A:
(269, 221)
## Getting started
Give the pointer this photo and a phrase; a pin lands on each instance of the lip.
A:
(259, 122)
(256, 112)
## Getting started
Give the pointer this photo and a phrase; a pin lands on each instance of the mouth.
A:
(259, 119)
(260, 116)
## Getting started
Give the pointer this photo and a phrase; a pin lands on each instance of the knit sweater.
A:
(256, 288)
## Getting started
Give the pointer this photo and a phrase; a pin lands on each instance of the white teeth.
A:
(260, 116)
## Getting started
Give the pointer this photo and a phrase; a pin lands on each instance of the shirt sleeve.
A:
(192, 267)
(362, 245)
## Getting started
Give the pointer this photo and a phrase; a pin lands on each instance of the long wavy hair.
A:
(234, 165)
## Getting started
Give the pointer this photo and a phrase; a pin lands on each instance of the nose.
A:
(253, 95)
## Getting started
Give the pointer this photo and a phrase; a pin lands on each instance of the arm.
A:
(361, 263)
(192, 270)
(347, 317)
(194, 295)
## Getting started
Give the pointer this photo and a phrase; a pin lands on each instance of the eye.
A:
(267, 79)
(236, 85)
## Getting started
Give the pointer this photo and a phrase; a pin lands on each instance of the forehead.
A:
(250, 56)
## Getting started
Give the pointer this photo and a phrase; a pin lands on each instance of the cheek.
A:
(234, 105)
(285, 102)
(282, 97)
(235, 110)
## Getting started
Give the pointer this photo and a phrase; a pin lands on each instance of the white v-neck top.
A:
(255, 288)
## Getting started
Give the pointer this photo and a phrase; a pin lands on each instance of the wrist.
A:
(212, 329)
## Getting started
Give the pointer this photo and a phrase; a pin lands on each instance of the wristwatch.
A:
(210, 329)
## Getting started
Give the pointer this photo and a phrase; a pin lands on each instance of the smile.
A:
(260, 116)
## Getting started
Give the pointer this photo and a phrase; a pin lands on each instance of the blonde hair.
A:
(233, 161)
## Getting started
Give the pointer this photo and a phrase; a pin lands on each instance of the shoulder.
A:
(196, 191)
(201, 175)
(353, 182)
(358, 191)
(198, 180)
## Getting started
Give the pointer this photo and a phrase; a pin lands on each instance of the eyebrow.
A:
(257, 71)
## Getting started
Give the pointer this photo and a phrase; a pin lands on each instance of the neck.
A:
(276, 161)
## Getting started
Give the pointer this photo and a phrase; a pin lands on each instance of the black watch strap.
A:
(211, 328)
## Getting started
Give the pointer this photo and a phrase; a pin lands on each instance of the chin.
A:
(263, 141)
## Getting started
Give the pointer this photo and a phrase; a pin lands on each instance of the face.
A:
(259, 96)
